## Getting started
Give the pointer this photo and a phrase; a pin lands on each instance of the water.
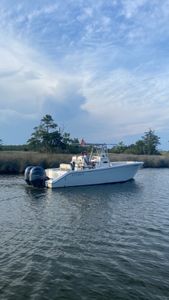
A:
(99, 242)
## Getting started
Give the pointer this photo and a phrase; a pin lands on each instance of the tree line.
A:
(148, 144)
(49, 137)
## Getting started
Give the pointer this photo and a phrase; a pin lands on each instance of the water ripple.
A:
(105, 242)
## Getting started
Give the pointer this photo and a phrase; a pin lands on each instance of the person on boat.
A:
(73, 165)
(86, 159)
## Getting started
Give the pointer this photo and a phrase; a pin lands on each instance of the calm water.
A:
(104, 242)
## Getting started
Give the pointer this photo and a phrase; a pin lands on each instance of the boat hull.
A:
(115, 173)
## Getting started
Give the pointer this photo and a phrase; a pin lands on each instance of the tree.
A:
(119, 148)
(46, 136)
(49, 137)
(137, 148)
(147, 145)
(48, 123)
(1, 144)
(151, 141)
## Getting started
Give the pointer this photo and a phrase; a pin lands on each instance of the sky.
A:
(99, 67)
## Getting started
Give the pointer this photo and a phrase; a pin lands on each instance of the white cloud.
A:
(128, 102)
(119, 102)
(46, 10)
(146, 21)
(28, 81)
(131, 8)
(115, 87)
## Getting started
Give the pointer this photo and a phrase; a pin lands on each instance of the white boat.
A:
(84, 170)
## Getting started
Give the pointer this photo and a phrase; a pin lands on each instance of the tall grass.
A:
(15, 162)
(150, 161)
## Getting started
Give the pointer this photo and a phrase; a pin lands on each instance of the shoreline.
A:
(15, 162)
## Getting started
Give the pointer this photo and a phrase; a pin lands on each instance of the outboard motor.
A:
(37, 176)
(26, 174)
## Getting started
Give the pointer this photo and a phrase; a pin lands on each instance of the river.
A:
(99, 242)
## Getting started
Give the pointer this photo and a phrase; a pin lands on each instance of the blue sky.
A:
(99, 67)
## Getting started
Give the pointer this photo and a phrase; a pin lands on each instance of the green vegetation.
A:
(146, 146)
(15, 162)
(48, 141)
(150, 161)
(48, 137)
(0, 144)
(14, 148)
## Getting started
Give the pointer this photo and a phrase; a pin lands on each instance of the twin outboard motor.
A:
(35, 175)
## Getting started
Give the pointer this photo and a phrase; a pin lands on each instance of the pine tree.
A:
(151, 141)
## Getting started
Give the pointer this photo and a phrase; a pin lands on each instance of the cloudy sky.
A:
(99, 67)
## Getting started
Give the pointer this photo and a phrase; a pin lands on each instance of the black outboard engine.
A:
(35, 176)
(26, 174)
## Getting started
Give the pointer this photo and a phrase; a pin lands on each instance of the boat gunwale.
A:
(86, 170)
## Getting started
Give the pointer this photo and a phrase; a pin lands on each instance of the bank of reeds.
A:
(150, 161)
(15, 162)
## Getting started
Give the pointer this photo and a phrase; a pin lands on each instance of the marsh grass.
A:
(15, 162)
(150, 161)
